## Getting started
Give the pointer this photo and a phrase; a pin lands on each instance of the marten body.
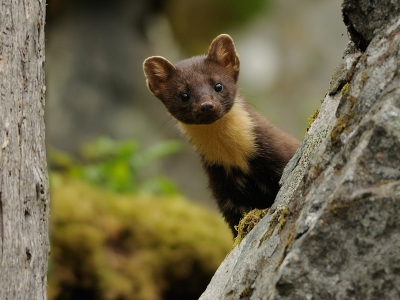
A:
(242, 153)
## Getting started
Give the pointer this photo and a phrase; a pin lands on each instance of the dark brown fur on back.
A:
(238, 192)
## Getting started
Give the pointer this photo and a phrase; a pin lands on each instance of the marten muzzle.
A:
(207, 106)
(207, 111)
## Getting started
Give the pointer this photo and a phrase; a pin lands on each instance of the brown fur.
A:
(242, 153)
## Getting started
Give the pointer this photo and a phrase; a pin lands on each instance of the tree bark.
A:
(24, 195)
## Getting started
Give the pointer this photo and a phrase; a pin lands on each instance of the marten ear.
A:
(222, 50)
(158, 71)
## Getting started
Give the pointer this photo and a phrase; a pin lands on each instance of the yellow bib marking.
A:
(229, 141)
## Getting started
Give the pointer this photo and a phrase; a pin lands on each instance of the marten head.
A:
(198, 90)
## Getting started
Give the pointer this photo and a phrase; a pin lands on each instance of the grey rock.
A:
(364, 18)
(334, 229)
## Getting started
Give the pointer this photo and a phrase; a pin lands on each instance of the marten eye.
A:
(184, 97)
(218, 87)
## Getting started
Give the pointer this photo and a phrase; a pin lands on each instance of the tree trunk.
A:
(24, 196)
(334, 229)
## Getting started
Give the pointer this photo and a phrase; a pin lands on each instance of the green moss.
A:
(277, 218)
(364, 76)
(115, 246)
(247, 223)
(282, 219)
(247, 292)
(347, 118)
(344, 121)
(336, 207)
(337, 171)
(288, 244)
(352, 101)
(345, 89)
(312, 118)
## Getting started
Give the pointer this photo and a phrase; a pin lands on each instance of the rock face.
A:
(334, 229)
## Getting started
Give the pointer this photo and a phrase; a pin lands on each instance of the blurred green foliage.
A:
(117, 165)
(107, 245)
(116, 236)
(195, 23)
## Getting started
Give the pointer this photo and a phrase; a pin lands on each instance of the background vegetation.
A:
(116, 236)
(121, 228)
(112, 246)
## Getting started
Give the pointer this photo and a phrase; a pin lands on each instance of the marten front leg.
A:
(232, 214)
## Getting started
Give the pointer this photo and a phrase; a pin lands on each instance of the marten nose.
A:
(207, 106)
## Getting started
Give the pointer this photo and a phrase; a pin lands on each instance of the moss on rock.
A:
(312, 118)
(248, 222)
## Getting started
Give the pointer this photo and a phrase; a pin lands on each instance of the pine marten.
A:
(242, 153)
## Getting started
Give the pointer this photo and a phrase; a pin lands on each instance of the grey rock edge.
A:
(334, 229)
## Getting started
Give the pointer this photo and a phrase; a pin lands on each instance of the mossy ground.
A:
(115, 246)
